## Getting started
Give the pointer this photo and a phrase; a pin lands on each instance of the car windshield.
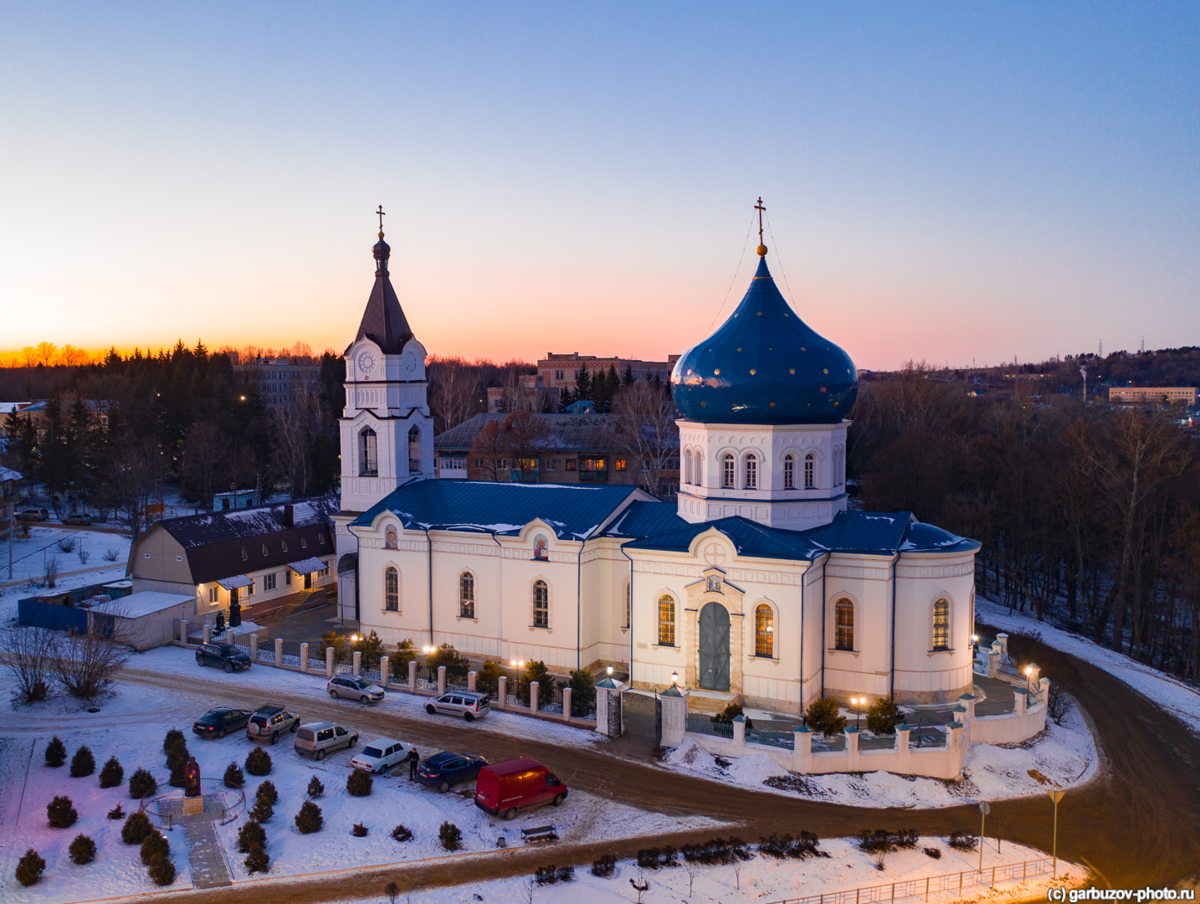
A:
(213, 714)
(359, 683)
(373, 751)
(227, 649)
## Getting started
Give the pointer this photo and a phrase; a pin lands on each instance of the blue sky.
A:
(943, 181)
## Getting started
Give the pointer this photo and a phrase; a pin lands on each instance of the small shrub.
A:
(249, 835)
(56, 752)
(258, 860)
(729, 713)
(961, 841)
(263, 810)
(173, 737)
(657, 858)
(30, 868)
(875, 842)
(450, 836)
(359, 830)
(83, 763)
(84, 555)
(82, 850)
(234, 776)
(552, 875)
(359, 783)
(935, 853)
(309, 819)
(162, 871)
(402, 833)
(315, 788)
(67, 544)
(111, 554)
(177, 761)
(136, 828)
(605, 866)
(535, 671)
(258, 762)
(142, 785)
(61, 813)
(789, 847)
(905, 840)
(155, 845)
(824, 715)
(116, 812)
(717, 851)
(266, 791)
(883, 716)
(112, 775)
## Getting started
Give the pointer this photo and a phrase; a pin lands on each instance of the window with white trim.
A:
(541, 605)
(466, 595)
(391, 589)
(729, 471)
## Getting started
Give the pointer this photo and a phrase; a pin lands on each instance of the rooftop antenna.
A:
(762, 249)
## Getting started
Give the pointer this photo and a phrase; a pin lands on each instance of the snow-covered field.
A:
(1172, 695)
(1062, 757)
(30, 558)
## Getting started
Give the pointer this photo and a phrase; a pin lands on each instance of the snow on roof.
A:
(144, 602)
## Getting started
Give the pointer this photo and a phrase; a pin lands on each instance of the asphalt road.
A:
(1137, 825)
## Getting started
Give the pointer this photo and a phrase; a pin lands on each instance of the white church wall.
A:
(923, 674)
(866, 583)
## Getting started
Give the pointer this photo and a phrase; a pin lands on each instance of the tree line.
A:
(1089, 516)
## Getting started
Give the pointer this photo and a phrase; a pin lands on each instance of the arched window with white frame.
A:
(764, 631)
(844, 625)
(789, 472)
(751, 472)
(541, 604)
(698, 469)
(728, 471)
(666, 621)
(414, 449)
(391, 589)
(466, 595)
(810, 471)
(941, 625)
(687, 467)
(368, 453)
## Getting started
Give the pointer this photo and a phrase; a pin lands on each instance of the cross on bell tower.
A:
(762, 249)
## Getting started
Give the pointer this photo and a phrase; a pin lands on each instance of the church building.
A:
(760, 583)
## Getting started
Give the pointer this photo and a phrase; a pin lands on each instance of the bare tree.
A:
(28, 654)
(204, 453)
(50, 572)
(523, 435)
(454, 388)
(295, 424)
(133, 483)
(484, 462)
(86, 663)
(644, 419)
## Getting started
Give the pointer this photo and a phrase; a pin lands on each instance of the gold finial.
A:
(762, 249)
(381, 215)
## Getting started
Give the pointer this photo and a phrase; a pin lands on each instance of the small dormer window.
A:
(265, 553)
(245, 555)
(321, 539)
(285, 545)
(303, 542)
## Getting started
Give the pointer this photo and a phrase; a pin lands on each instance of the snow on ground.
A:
(179, 661)
(131, 725)
(30, 558)
(1179, 699)
(1062, 757)
(763, 879)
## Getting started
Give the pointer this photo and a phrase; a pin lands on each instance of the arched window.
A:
(466, 595)
(666, 621)
(764, 631)
(368, 457)
(687, 467)
(810, 471)
(844, 612)
(941, 625)
(729, 471)
(751, 472)
(789, 472)
(698, 469)
(541, 605)
(414, 449)
(391, 589)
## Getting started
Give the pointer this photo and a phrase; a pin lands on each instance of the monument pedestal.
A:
(193, 806)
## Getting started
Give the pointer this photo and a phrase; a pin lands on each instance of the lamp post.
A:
(674, 679)
(984, 809)
(1028, 674)
(857, 703)
(1055, 796)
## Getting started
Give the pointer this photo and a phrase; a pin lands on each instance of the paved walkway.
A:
(209, 869)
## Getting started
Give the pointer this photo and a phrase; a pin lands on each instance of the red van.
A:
(504, 788)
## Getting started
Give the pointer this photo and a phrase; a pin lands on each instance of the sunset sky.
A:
(943, 181)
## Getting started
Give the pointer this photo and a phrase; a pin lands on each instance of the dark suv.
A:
(216, 723)
(224, 655)
(269, 722)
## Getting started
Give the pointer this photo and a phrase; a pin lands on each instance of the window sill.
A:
(854, 653)
(758, 658)
(935, 652)
(540, 628)
(663, 646)
(470, 618)
(390, 611)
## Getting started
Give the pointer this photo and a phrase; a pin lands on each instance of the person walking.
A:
(413, 759)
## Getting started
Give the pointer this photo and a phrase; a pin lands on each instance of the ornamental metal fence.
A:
(876, 742)
(785, 740)
(266, 654)
(927, 737)
(822, 744)
(291, 653)
(706, 726)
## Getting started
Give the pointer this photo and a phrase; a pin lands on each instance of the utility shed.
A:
(149, 618)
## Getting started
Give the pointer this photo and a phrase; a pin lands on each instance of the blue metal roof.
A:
(641, 519)
(481, 506)
(764, 366)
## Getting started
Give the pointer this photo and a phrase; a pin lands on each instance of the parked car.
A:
(225, 655)
(381, 755)
(468, 704)
(504, 788)
(38, 514)
(269, 722)
(446, 768)
(216, 723)
(355, 688)
(317, 739)
(83, 520)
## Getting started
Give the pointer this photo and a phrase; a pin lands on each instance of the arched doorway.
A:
(714, 648)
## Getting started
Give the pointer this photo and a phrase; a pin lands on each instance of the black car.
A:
(225, 655)
(446, 768)
(216, 723)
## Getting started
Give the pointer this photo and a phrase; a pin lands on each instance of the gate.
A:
(714, 647)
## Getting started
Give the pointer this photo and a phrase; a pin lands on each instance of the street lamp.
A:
(609, 670)
(1055, 796)
(1028, 675)
(858, 702)
(674, 679)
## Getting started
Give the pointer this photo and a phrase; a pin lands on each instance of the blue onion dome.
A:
(764, 366)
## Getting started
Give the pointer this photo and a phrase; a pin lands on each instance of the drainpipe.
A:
(429, 548)
(579, 601)
(892, 664)
(500, 583)
(630, 625)
(824, 607)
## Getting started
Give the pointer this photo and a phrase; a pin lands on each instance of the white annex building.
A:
(760, 582)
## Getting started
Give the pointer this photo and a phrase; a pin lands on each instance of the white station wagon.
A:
(382, 754)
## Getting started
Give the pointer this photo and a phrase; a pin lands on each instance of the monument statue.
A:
(191, 779)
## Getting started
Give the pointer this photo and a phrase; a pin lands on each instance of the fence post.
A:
(304, 657)
(993, 877)
(566, 704)
(278, 652)
(470, 681)
(329, 662)
(739, 731)
(926, 888)
(385, 666)
(441, 680)
(1002, 640)
(207, 632)
(357, 661)
(183, 623)
(802, 738)
(502, 692)
(412, 676)
(1020, 700)
(533, 696)
(254, 648)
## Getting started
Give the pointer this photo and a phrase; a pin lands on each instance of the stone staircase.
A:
(300, 601)
(710, 702)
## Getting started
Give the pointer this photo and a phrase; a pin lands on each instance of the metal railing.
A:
(706, 726)
(876, 742)
(782, 739)
(927, 737)
(922, 889)
(836, 744)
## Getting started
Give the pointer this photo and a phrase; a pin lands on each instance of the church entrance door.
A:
(714, 647)
(308, 582)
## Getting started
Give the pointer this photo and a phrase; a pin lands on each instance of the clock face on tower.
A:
(410, 362)
(366, 362)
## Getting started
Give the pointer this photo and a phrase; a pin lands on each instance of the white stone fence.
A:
(409, 684)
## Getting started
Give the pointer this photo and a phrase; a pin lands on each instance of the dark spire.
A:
(383, 321)
(381, 249)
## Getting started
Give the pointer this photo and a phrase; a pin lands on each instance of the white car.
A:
(381, 755)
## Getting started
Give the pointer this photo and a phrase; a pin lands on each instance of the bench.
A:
(536, 834)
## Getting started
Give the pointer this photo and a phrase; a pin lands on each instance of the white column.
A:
(470, 681)
(329, 662)
(441, 680)
(278, 651)
(412, 676)
(739, 731)
(566, 704)
(207, 632)
(304, 657)
(502, 692)
(674, 715)
(533, 696)
(357, 661)
(254, 648)
(384, 667)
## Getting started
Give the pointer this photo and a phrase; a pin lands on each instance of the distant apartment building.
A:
(37, 413)
(280, 381)
(531, 395)
(558, 371)
(1171, 395)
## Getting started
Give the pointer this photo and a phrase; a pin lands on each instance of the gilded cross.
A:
(759, 207)
(380, 212)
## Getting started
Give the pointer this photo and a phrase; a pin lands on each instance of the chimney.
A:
(289, 519)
